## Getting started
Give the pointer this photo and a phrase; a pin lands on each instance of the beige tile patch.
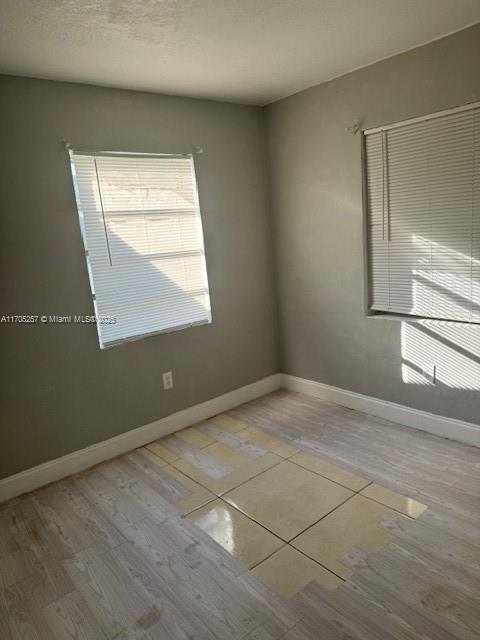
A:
(234, 467)
(199, 458)
(162, 452)
(288, 571)
(266, 441)
(194, 437)
(355, 523)
(232, 440)
(287, 498)
(330, 471)
(244, 539)
(227, 423)
(193, 495)
(394, 500)
(198, 497)
(152, 457)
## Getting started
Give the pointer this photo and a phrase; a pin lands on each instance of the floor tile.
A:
(287, 498)
(199, 458)
(228, 423)
(198, 495)
(147, 453)
(394, 500)
(268, 442)
(182, 492)
(236, 440)
(287, 571)
(355, 523)
(232, 440)
(220, 468)
(194, 437)
(246, 540)
(190, 435)
(330, 471)
(162, 452)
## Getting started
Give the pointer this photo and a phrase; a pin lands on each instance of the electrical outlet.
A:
(167, 380)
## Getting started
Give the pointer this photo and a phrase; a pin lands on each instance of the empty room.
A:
(240, 320)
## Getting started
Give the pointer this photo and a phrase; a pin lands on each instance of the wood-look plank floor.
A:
(104, 554)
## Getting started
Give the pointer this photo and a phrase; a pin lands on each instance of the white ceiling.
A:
(252, 51)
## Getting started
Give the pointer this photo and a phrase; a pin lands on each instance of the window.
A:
(141, 224)
(423, 216)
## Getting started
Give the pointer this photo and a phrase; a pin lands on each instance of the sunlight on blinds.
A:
(423, 217)
(141, 224)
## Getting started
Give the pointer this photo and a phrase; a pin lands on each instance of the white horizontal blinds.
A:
(377, 222)
(143, 232)
(451, 213)
(476, 221)
(431, 218)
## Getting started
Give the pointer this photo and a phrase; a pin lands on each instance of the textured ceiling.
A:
(252, 51)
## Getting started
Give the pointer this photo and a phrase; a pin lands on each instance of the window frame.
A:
(367, 272)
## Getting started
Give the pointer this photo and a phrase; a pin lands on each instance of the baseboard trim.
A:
(465, 432)
(77, 461)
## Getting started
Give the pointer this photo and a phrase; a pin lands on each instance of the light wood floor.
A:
(104, 554)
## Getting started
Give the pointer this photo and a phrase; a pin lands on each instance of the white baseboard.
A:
(465, 432)
(77, 461)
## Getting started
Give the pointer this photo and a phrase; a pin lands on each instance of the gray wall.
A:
(315, 173)
(60, 392)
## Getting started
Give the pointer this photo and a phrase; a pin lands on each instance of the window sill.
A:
(419, 319)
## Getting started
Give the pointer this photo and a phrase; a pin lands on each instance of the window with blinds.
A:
(423, 216)
(141, 225)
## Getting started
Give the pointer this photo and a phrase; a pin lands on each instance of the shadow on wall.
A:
(439, 351)
(436, 351)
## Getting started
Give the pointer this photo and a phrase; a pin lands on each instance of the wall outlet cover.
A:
(167, 380)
